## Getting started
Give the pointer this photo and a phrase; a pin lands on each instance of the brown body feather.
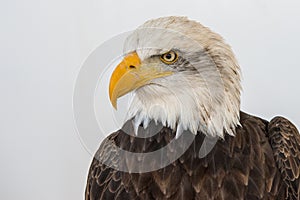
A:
(261, 162)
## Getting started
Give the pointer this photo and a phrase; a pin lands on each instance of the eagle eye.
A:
(169, 58)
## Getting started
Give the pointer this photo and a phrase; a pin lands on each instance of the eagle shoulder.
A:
(102, 181)
(284, 139)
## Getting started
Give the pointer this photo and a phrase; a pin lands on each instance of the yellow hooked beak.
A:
(129, 75)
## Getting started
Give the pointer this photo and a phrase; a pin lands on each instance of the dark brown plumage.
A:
(261, 162)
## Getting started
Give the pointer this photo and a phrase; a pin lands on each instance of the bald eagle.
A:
(186, 78)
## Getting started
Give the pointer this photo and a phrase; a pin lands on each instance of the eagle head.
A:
(182, 75)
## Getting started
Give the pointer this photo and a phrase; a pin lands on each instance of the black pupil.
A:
(168, 56)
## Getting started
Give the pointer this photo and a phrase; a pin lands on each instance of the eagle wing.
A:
(103, 182)
(285, 142)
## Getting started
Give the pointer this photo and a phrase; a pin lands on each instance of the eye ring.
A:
(169, 58)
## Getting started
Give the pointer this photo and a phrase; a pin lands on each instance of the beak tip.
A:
(114, 103)
(115, 106)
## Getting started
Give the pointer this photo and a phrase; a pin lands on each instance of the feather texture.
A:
(260, 162)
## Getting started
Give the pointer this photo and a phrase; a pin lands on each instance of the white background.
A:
(44, 42)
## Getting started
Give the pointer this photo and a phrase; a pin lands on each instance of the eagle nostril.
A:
(132, 67)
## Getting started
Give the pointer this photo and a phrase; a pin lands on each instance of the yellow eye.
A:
(169, 57)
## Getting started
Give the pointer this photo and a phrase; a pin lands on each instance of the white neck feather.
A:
(181, 107)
